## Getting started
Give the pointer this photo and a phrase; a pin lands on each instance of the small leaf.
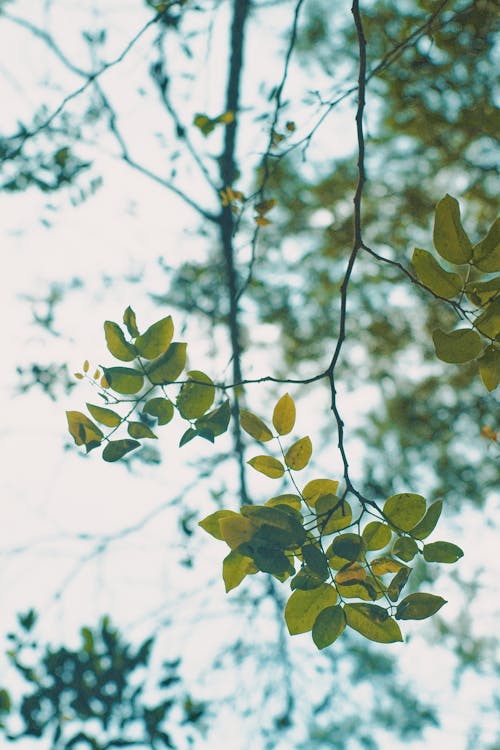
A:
(156, 340)
(124, 380)
(188, 436)
(140, 430)
(267, 465)
(329, 624)
(303, 607)
(254, 426)
(117, 344)
(376, 535)
(130, 322)
(210, 524)
(428, 522)
(486, 254)
(404, 510)
(284, 415)
(332, 514)
(204, 123)
(216, 421)
(457, 346)
(196, 396)
(398, 582)
(161, 408)
(78, 375)
(450, 239)
(83, 430)
(373, 622)
(405, 548)
(116, 449)
(489, 367)
(105, 416)
(317, 488)
(442, 552)
(226, 117)
(292, 501)
(167, 368)
(419, 606)
(235, 568)
(435, 278)
(86, 366)
(298, 455)
(348, 546)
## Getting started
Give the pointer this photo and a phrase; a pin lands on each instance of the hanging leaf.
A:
(267, 465)
(196, 396)
(167, 368)
(86, 366)
(428, 522)
(442, 552)
(83, 430)
(140, 430)
(105, 416)
(419, 606)
(488, 323)
(298, 455)
(373, 622)
(450, 239)
(254, 426)
(317, 488)
(329, 624)
(130, 322)
(376, 535)
(116, 449)
(489, 367)
(292, 501)
(117, 344)
(398, 582)
(161, 408)
(235, 568)
(486, 254)
(404, 510)
(284, 415)
(332, 514)
(156, 340)
(405, 548)
(458, 346)
(303, 607)
(124, 380)
(215, 421)
(348, 546)
(435, 278)
(211, 523)
(188, 436)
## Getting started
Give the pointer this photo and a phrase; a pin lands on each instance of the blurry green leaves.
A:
(206, 124)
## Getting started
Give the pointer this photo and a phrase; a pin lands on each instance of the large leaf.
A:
(318, 487)
(435, 278)
(298, 455)
(156, 340)
(303, 607)
(373, 622)
(167, 368)
(486, 254)
(161, 408)
(376, 535)
(284, 415)
(419, 606)
(457, 346)
(117, 343)
(450, 239)
(116, 449)
(404, 510)
(267, 465)
(124, 380)
(83, 430)
(329, 624)
(196, 396)
(234, 569)
(428, 522)
(254, 426)
(442, 552)
(105, 416)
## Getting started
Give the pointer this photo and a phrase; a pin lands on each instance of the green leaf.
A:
(167, 368)
(254, 426)
(329, 624)
(195, 396)
(105, 416)
(428, 522)
(156, 340)
(210, 524)
(235, 567)
(284, 415)
(486, 254)
(332, 514)
(188, 436)
(316, 560)
(130, 322)
(292, 501)
(489, 367)
(303, 607)
(267, 559)
(116, 449)
(373, 622)
(368, 590)
(480, 292)
(140, 430)
(450, 239)
(236, 530)
(124, 380)
(117, 344)
(217, 420)
(404, 510)
(488, 323)
(276, 526)
(376, 535)
(161, 408)
(419, 606)
(267, 465)
(298, 455)
(382, 565)
(435, 278)
(5, 702)
(398, 582)
(405, 548)
(457, 346)
(317, 488)
(347, 546)
(204, 123)
(442, 552)
(306, 580)
(83, 430)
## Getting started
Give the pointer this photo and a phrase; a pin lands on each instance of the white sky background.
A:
(50, 496)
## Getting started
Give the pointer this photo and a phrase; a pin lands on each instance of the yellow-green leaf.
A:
(428, 522)
(486, 254)
(347, 546)
(140, 430)
(317, 488)
(303, 607)
(117, 344)
(398, 582)
(450, 239)
(267, 465)
(83, 430)
(161, 408)
(105, 416)
(373, 622)
(457, 346)
(405, 548)
(332, 514)
(292, 501)
(234, 569)
(156, 340)
(376, 535)
(435, 278)
(236, 530)
(404, 510)
(130, 322)
(210, 524)
(298, 455)
(488, 323)
(116, 449)
(351, 573)
(419, 606)
(167, 368)
(382, 565)
(329, 624)
(284, 415)
(196, 396)
(254, 426)
(215, 421)
(442, 552)
(489, 367)
(124, 380)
